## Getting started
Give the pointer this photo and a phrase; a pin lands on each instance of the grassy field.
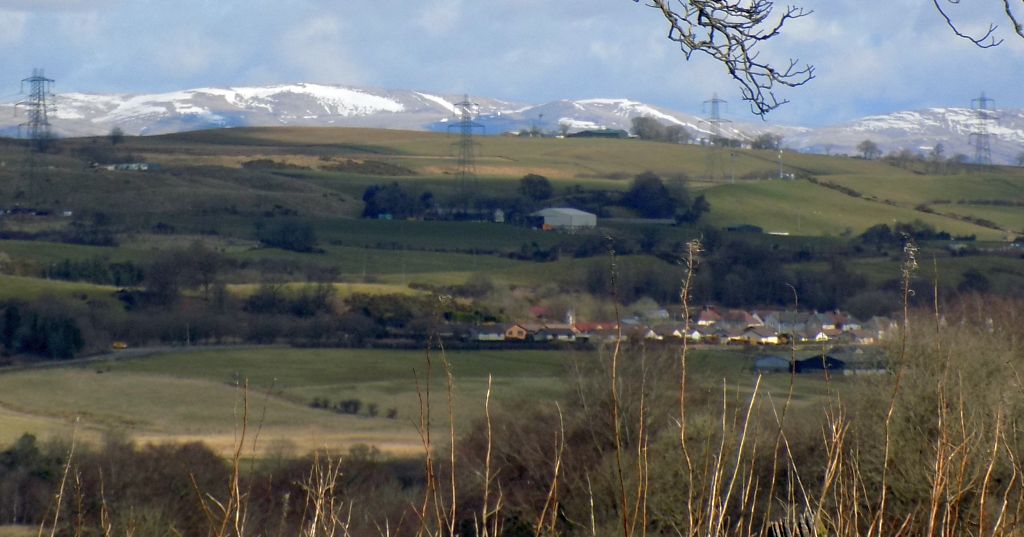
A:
(201, 174)
(1011, 218)
(18, 531)
(802, 208)
(186, 396)
(1006, 273)
(19, 287)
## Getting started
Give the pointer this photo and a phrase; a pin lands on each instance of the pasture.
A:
(184, 396)
(196, 395)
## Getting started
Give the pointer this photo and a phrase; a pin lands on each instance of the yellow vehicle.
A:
(119, 345)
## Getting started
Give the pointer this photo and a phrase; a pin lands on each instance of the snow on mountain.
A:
(82, 114)
(920, 131)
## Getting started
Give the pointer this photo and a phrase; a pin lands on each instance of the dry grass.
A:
(13, 424)
(17, 531)
(163, 408)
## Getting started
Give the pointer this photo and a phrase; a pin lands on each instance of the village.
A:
(707, 326)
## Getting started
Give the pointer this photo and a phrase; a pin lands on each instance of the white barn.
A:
(566, 218)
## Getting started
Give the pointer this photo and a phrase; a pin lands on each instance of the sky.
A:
(870, 56)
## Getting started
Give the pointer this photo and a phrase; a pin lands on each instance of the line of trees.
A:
(648, 128)
(650, 198)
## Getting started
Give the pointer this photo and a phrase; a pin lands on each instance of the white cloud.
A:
(315, 51)
(187, 55)
(50, 5)
(82, 26)
(871, 57)
(440, 16)
(13, 24)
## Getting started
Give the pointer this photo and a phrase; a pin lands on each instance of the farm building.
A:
(600, 133)
(565, 218)
(819, 363)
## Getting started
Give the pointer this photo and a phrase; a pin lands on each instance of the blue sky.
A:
(872, 56)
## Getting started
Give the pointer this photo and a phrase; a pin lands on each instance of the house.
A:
(823, 321)
(742, 318)
(515, 332)
(601, 335)
(864, 337)
(759, 335)
(735, 337)
(565, 218)
(670, 331)
(787, 322)
(584, 328)
(488, 333)
(708, 317)
(815, 336)
(705, 335)
(772, 364)
(555, 334)
(844, 321)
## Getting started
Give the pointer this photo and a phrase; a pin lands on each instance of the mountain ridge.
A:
(305, 104)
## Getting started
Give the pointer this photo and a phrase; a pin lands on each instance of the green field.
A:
(19, 287)
(195, 395)
(201, 179)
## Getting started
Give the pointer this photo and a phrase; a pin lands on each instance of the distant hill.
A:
(82, 114)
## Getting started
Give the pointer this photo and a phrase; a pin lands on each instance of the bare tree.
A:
(730, 32)
(869, 149)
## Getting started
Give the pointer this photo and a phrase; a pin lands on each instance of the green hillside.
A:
(322, 172)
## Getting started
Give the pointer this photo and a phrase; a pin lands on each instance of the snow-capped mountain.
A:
(920, 131)
(83, 114)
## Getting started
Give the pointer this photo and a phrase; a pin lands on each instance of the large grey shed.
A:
(566, 218)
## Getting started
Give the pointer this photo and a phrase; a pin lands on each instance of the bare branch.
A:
(988, 39)
(730, 31)
(1017, 25)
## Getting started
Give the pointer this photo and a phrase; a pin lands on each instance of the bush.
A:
(48, 327)
(287, 234)
(649, 197)
(536, 187)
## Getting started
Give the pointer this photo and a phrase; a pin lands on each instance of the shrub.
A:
(287, 234)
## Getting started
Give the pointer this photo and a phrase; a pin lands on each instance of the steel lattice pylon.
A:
(981, 135)
(37, 110)
(465, 173)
